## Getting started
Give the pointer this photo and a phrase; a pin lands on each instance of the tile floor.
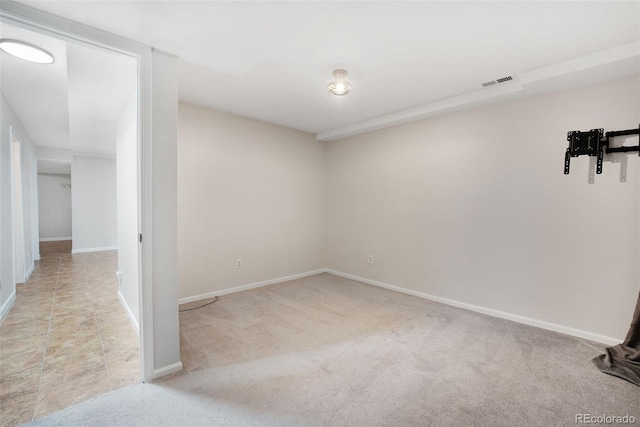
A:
(67, 338)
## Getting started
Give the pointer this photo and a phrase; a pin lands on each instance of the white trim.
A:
(7, 305)
(478, 309)
(94, 154)
(488, 311)
(167, 370)
(35, 219)
(87, 250)
(36, 20)
(249, 286)
(145, 210)
(17, 202)
(132, 318)
(28, 274)
(592, 60)
(54, 239)
(484, 96)
(448, 105)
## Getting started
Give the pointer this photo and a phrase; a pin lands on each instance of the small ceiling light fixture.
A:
(26, 51)
(339, 86)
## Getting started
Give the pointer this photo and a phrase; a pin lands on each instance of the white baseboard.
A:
(28, 273)
(249, 286)
(132, 318)
(489, 311)
(7, 305)
(87, 250)
(167, 370)
(479, 309)
(54, 239)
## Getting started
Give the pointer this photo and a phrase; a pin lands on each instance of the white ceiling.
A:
(37, 92)
(406, 60)
(74, 103)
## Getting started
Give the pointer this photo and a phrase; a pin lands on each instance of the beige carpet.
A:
(330, 351)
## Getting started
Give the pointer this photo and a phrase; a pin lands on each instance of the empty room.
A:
(363, 213)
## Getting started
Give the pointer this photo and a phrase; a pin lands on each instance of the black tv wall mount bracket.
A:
(596, 143)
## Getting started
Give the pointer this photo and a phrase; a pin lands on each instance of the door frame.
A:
(35, 219)
(17, 208)
(23, 16)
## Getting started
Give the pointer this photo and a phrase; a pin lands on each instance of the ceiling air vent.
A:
(500, 81)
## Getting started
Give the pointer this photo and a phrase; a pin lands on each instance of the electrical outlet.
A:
(370, 260)
(238, 263)
(53, 228)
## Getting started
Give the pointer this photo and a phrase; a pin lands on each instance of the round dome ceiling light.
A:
(26, 51)
(339, 86)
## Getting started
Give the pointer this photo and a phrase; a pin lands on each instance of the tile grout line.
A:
(104, 354)
(46, 342)
(52, 290)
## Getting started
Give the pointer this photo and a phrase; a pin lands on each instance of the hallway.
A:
(67, 339)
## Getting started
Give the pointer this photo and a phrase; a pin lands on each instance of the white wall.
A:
(246, 190)
(35, 216)
(8, 120)
(54, 206)
(93, 204)
(7, 284)
(127, 186)
(164, 135)
(27, 150)
(474, 207)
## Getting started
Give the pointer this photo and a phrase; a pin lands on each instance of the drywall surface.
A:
(35, 218)
(93, 204)
(127, 197)
(9, 121)
(29, 186)
(8, 118)
(166, 334)
(54, 206)
(247, 190)
(474, 207)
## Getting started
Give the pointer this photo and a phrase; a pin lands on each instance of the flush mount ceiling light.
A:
(339, 86)
(26, 51)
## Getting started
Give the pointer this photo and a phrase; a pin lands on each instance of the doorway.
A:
(21, 247)
(157, 77)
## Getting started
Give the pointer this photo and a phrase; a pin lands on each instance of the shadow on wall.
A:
(614, 158)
